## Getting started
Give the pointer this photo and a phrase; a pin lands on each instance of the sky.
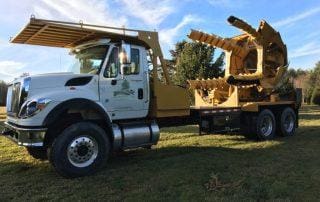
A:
(296, 20)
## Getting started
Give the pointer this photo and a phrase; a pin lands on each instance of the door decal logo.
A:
(125, 90)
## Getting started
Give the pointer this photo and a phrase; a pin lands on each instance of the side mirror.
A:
(125, 58)
(125, 54)
(124, 68)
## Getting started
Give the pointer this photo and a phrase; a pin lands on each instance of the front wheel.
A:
(80, 150)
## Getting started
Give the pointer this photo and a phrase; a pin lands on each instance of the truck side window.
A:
(113, 64)
(135, 61)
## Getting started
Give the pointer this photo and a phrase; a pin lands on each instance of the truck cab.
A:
(122, 74)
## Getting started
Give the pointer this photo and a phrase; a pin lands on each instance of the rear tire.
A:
(81, 149)
(287, 122)
(39, 153)
(265, 126)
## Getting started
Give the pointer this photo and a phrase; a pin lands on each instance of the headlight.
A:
(31, 108)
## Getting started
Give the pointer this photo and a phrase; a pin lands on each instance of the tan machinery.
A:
(255, 62)
(245, 98)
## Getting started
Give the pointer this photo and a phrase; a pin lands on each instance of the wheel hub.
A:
(266, 126)
(82, 151)
(288, 123)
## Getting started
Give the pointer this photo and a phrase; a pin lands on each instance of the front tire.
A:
(80, 150)
(287, 122)
(265, 125)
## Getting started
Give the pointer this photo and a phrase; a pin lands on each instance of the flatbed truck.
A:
(112, 100)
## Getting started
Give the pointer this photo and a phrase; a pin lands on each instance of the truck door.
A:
(125, 96)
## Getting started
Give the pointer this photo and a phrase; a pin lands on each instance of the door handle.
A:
(113, 82)
(140, 93)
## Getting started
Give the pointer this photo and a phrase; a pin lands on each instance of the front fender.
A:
(58, 96)
(76, 104)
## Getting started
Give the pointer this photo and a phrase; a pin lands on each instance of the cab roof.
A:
(69, 35)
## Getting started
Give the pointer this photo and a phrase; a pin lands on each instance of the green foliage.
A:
(313, 83)
(286, 84)
(316, 96)
(3, 93)
(293, 73)
(194, 60)
(308, 94)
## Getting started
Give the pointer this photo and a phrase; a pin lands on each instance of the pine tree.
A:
(194, 60)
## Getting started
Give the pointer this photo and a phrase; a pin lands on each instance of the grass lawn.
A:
(183, 166)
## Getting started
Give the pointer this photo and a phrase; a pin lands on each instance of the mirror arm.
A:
(122, 71)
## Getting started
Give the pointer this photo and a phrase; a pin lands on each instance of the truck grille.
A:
(9, 98)
(13, 99)
(16, 96)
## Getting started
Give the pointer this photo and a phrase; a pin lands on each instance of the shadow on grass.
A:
(267, 170)
(137, 155)
(309, 113)
(307, 116)
(285, 168)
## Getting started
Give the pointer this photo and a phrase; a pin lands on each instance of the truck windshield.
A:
(89, 60)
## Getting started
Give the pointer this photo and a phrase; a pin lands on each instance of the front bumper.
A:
(25, 136)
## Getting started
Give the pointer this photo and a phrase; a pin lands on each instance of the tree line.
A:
(312, 82)
(3, 93)
(192, 60)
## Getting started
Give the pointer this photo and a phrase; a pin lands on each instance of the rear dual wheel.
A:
(267, 125)
(288, 122)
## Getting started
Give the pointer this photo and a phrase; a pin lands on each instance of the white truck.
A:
(116, 98)
(77, 118)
